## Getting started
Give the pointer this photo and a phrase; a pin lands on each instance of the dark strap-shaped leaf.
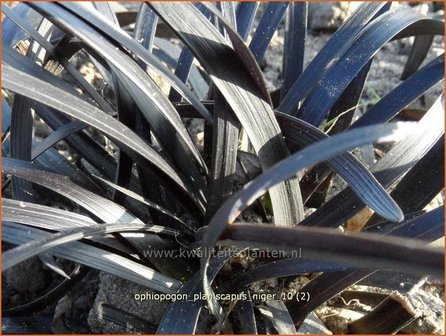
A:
(195, 174)
(146, 202)
(346, 165)
(280, 318)
(126, 109)
(73, 219)
(420, 48)
(287, 168)
(144, 33)
(182, 71)
(53, 161)
(428, 226)
(95, 258)
(224, 155)
(123, 39)
(429, 27)
(130, 114)
(242, 94)
(245, 15)
(52, 96)
(21, 133)
(185, 61)
(190, 310)
(327, 285)
(370, 40)
(294, 44)
(98, 205)
(332, 50)
(146, 94)
(58, 56)
(169, 53)
(106, 10)
(242, 52)
(184, 110)
(266, 28)
(361, 250)
(145, 26)
(25, 64)
(398, 161)
(227, 9)
(344, 109)
(10, 32)
(388, 317)
(27, 28)
(101, 207)
(313, 325)
(404, 94)
(49, 218)
(22, 138)
(6, 116)
(92, 152)
(57, 136)
(423, 182)
(25, 251)
(245, 312)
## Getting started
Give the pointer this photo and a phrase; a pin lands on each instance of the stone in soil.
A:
(120, 293)
(329, 16)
